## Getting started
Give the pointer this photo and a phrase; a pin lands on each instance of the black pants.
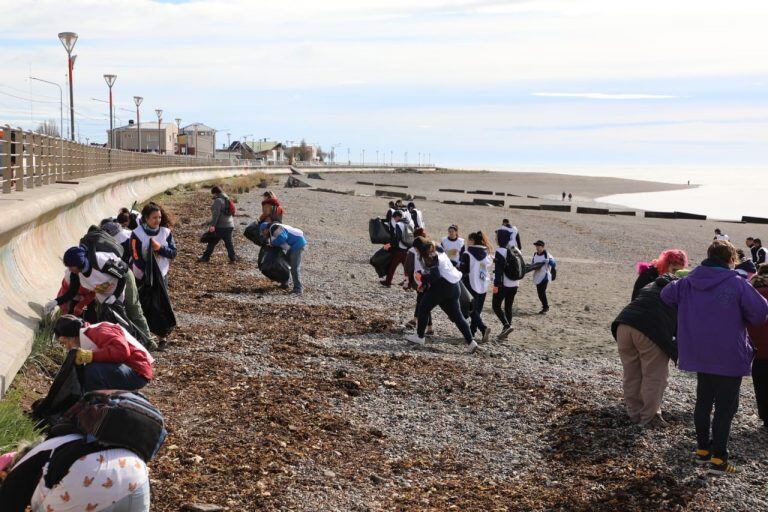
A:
(445, 295)
(507, 297)
(419, 296)
(723, 393)
(760, 380)
(541, 289)
(476, 318)
(222, 234)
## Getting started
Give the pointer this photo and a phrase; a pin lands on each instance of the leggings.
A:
(507, 296)
(476, 319)
(446, 295)
(541, 289)
(419, 296)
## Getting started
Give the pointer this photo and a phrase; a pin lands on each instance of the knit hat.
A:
(68, 325)
(76, 257)
(112, 228)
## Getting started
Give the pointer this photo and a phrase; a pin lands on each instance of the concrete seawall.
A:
(36, 226)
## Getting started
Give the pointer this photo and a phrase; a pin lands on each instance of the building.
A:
(269, 152)
(197, 139)
(162, 140)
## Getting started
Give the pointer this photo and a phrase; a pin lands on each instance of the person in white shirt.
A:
(545, 272)
(416, 215)
(719, 235)
(440, 281)
(475, 266)
(452, 244)
(513, 234)
(504, 288)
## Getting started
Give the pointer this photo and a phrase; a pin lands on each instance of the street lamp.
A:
(110, 79)
(68, 40)
(159, 113)
(137, 100)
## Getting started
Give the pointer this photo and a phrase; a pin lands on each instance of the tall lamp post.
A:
(110, 79)
(68, 40)
(159, 113)
(178, 135)
(137, 100)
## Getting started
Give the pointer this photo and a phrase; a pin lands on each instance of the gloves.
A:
(83, 356)
(50, 308)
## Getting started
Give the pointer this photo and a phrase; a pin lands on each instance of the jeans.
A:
(507, 296)
(760, 380)
(476, 319)
(222, 234)
(110, 376)
(446, 295)
(541, 289)
(646, 372)
(294, 258)
(723, 393)
(137, 501)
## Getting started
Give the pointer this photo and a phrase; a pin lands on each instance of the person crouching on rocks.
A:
(645, 333)
(413, 271)
(475, 265)
(440, 282)
(110, 357)
(292, 241)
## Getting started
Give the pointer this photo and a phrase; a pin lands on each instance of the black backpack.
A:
(98, 240)
(514, 265)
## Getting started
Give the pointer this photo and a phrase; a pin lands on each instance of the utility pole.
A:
(68, 40)
(137, 100)
(110, 79)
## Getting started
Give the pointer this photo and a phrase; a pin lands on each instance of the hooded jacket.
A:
(649, 315)
(759, 333)
(480, 253)
(644, 278)
(219, 217)
(714, 305)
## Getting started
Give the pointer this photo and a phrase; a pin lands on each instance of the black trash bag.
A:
(378, 230)
(275, 265)
(380, 261)
(115, 313)
(466, 301)
(262, 252)
(253, 233)
(208, 237)
(64, 392)
(153, 296)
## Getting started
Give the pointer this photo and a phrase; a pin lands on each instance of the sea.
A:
(722, 193)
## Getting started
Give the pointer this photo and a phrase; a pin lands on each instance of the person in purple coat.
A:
(714, 305)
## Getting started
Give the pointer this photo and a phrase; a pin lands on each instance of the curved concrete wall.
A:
(36, 226)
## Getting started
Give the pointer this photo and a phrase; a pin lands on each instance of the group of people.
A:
(457, 275)
(712, 320)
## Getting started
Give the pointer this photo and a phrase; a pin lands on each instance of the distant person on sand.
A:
(514, 234)
(714, 305)
(563, 196)
(719, 235)
(440, 282)
(668, 262)
(745, 266)
(452, 244)
(570, 196)
(222, 224)
(545, 273)
(475, 266)
(416, 215)
(759, 336)
(645, 334)
(761, 255)
(750, 243)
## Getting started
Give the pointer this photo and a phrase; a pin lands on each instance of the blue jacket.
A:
(288, 238)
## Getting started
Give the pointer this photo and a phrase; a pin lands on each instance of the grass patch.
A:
(15, 425)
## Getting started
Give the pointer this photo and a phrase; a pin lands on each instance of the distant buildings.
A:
(268, 152)
(162, 140)
(197, 139)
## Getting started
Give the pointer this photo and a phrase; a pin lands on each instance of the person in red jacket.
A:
(759, 336)
(110, 357)
(271, 209)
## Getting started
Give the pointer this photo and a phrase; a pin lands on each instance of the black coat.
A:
(648, 276)
(649, 315)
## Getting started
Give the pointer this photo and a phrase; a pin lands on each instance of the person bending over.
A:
(668, 262)
(293, 242)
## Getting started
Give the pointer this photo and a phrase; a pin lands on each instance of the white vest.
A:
(122, 236)
(419, 218)
(418, 264)
(447, 270)
(479, 273)
(513, 232)
(506, 282)
(87, 344)
(543, 273)
(98, 278)
(161, 237)
(452, 248)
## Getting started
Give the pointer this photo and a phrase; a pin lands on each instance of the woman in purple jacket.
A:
(714, 306)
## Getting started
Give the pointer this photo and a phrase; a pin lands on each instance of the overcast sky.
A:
(471, 82)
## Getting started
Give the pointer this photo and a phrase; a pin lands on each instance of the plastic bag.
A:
(63, 393)
(380, 261)
(153, 296)
(275, 265)
(253, 233)
(378, 231)
(466, 301)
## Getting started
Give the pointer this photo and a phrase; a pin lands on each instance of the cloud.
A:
(604, 96)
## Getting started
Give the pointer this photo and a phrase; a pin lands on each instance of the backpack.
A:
(408, 235)
(98, 240)
(229, 206)
(514, 264)
(119, 419)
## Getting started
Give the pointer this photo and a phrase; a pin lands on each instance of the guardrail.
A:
(29, 160)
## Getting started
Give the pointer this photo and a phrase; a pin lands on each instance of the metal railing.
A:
(29, 160)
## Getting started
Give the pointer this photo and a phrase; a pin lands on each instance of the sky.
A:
(465, 83)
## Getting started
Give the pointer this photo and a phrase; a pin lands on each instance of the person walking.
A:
(645, 333)
(719, 235)
(413, 271)
(761, 253)
(222, 224)
(440, 282)
(475, 266)
(759, 336)
(416, 215)
(153, 234)
(293, 242)
(545, 272)
(750, 243)
(452, 244)
(397, 247)
(668, 262)
(504, 288)
(714, 305)
(513, 236)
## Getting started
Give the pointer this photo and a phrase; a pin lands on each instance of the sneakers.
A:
(384, 283)
(543, 311)
(297, 291)
(719, 467)
(284, 286)
(486, 335)
(472, 347)
(415, 339)
(200, 259)
(702, 456)
(504, 333)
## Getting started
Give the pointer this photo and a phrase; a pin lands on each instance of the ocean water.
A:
(723, 193)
